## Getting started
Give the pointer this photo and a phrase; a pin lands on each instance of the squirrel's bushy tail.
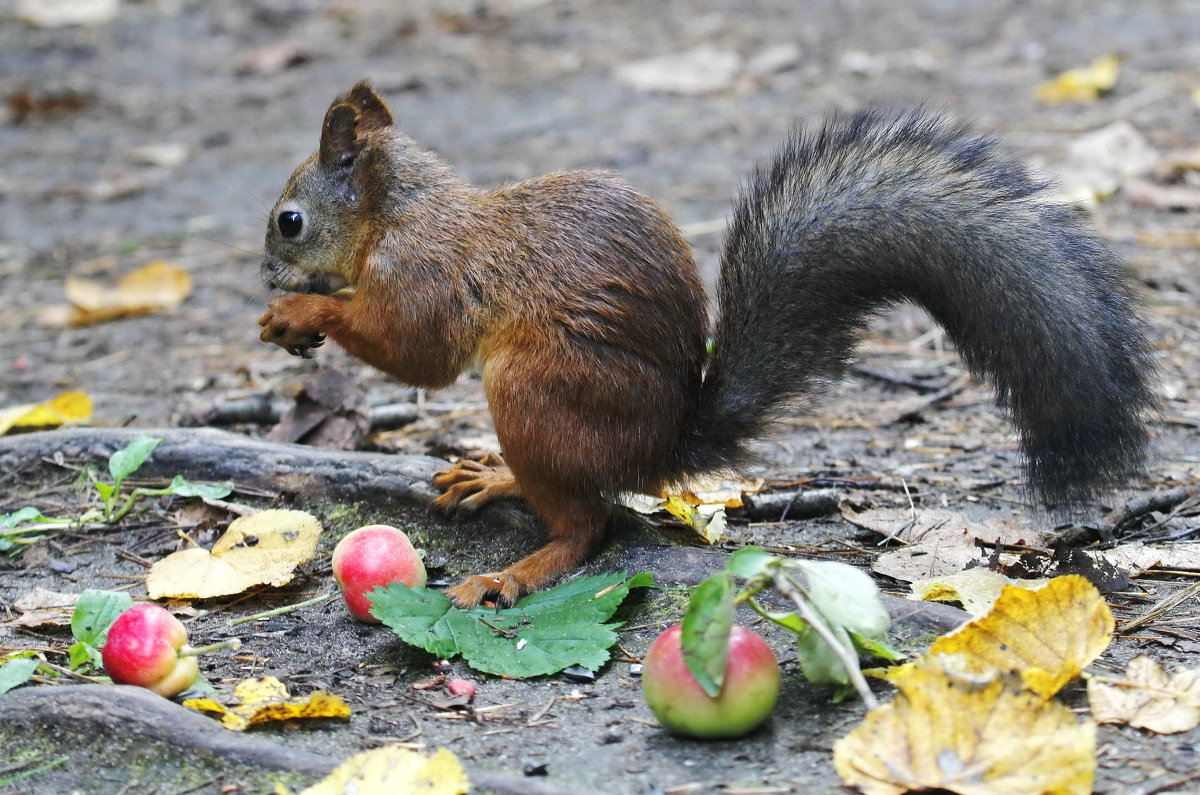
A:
(872, 210)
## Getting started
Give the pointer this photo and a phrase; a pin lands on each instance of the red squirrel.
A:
(581, 303)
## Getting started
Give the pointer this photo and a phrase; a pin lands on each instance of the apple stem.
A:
(233, 622)
(232, 644)
(846, 657)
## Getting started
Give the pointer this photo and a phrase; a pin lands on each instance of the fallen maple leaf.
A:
(1047, 636)
(393, 769)
(945, 731)
(1148, 698)
(261, 549)
(266, 699)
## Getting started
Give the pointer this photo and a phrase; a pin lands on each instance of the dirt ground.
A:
(166, 133)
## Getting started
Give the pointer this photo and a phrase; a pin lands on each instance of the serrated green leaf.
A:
(817, 660)
(704, 632)
(126, 461)
(15, 673)
(751, 562)
(94, 614)
(543, 634)
(182, 487)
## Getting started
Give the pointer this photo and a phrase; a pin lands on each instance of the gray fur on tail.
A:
(873, 210)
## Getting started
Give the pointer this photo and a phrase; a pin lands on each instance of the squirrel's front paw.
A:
(288, 323)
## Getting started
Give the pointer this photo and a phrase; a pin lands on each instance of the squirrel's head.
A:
(315, 228)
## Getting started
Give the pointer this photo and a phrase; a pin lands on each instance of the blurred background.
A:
(146, 130)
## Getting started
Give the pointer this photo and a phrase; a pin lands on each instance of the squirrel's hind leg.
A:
(576, 526)
(469, 485)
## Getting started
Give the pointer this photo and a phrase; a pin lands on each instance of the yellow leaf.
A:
(1148, 698)
(64, 408)
(392, 769)
(266, 699)
(1047, 636)
(717, 490)
(708, 521)
(975, 589)
(1081, 85)
(967, 736)
(261, 549)
(153, 287)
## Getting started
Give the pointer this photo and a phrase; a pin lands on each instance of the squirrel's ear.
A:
(373, 113)
(340, 142)
(348, 122)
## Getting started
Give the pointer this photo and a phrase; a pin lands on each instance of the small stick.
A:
(233, 622)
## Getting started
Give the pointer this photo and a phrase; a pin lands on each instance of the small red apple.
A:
(375, 555)
(143, 648)
(461, 687)
(677, 700)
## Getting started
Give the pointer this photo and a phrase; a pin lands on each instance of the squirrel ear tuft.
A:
(373, 112)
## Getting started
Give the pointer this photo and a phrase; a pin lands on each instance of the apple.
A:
(375, 555)
(677, 700)
(146, 647)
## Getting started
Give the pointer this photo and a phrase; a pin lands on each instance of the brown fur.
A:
(576, 295)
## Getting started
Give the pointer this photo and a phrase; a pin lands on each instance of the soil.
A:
(232, 94)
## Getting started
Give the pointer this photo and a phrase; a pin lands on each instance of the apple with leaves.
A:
(374, 556)
(747, 694)
(147, 646)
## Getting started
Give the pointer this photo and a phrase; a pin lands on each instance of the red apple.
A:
(677, 700)
(143, 648)
(375, 555)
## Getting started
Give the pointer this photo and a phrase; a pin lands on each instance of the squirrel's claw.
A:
(473, 590)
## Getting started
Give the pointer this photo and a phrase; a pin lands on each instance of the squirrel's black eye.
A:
(290, 223)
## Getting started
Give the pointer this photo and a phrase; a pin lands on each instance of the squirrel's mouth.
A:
(280, 275)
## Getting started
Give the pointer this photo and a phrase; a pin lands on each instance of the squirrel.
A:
(582, 305)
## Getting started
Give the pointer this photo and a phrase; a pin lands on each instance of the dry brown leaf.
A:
(960, 734)
(41, 607)
(395, 769)
(1047, 636)
(939, 542)
(261, 549)
(1148, 698)
(154, 287)
(266, 699)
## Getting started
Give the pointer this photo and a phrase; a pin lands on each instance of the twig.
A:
(1163, 606)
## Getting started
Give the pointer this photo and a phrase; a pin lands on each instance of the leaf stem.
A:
(233, 622)
(233, 644)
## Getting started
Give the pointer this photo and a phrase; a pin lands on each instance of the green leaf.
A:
(751, 562)
(845, 596)
(181, 487)
(543, 634)
(94, 614)
(18, 517)
(82, 654)
(126, 461)
(106, 490)
(875, 648)
(704, 633)
(15, 673)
